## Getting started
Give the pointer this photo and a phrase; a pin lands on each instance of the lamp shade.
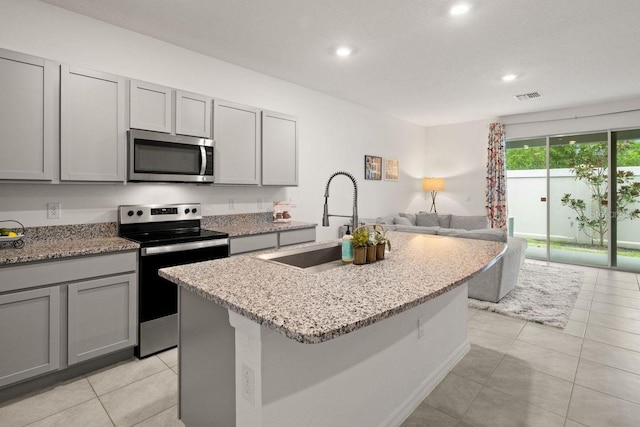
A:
(432, 184)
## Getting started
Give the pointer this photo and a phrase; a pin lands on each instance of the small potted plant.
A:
(382, 242)
(371, 248)
(360, 243)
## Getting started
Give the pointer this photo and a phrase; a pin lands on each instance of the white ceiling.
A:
(413, 60)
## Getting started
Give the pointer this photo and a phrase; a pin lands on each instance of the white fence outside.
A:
(526, 187)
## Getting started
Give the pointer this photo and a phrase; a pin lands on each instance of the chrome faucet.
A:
(354, 217)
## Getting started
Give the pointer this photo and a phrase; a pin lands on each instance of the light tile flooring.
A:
(517, 374)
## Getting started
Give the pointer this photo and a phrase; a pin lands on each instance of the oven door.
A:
(169, 158)
(158, 297)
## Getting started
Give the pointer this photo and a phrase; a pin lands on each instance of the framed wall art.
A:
(391, 170)
(373, 167)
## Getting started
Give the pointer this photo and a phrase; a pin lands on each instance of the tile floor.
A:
(517, 374)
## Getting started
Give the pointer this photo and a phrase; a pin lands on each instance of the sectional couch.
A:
(493, 283)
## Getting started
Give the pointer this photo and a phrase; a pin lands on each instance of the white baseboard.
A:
(412, 402)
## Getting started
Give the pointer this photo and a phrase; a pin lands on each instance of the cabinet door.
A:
(102, 317)
(279, 149)
(92, 128)
(150, 106)
(29, 333)
(27, 88)
(237, 134)
(193, 114)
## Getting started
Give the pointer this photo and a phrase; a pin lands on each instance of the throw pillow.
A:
(444, 220)
(427, 220)
(386, 220)
(469, 222)
(410, 217)
(400, 220)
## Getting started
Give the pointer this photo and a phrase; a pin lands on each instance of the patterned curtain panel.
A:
(496, 186)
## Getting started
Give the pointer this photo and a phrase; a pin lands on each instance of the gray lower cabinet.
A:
(279, 149)
(30, 331)
(237, 135)
(28, 87)
(92, 126)
(101, 317)
(256, 242)
(59, 313)
(293, 237)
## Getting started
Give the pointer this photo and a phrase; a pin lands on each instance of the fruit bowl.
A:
(16, 241)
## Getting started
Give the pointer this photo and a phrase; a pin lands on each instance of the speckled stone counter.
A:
(316, 307)
(55, 242)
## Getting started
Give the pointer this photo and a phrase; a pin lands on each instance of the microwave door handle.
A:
(203, 160)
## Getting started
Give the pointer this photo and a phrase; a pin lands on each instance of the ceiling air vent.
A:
(525, 96)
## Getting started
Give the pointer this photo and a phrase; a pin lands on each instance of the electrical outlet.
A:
(53, 210)
(232, 204)
(420, 327)
(248, 383)
(260, 203)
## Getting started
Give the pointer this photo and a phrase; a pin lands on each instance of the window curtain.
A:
(496, 184)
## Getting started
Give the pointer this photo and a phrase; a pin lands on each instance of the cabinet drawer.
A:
(239, 245)
(24, 276)
(297, 236)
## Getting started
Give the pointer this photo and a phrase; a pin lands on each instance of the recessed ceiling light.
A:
(459, 9)
(509, 77)
(343, 51)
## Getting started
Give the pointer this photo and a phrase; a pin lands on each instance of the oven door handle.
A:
(179, 247)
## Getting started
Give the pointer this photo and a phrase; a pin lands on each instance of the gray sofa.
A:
(493, 283)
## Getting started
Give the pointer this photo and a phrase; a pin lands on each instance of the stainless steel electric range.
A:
(168, 235)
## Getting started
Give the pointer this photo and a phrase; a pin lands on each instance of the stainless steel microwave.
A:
(155, 156)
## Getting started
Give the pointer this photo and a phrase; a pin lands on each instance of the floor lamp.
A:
(434, 185)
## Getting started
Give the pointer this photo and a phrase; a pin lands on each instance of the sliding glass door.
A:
(625, 229)
(527, 193)
(559, 188)
(578, 207)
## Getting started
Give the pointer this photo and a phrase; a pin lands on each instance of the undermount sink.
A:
(313, 259)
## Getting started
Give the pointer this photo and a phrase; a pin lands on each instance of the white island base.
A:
(234, 372)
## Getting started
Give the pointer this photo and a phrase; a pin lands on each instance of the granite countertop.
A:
(236, 230)
(316, 307)
(55, 249)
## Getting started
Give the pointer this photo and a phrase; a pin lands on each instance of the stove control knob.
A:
(130, 213)
(186, 211)
(194, 210)
(139, 213)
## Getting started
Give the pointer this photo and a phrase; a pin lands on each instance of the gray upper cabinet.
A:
(92, 125)
(279, 149)
(237, 135)
(30, 332)
(151, 106)
(102, 317)
(193, 114)
(28, 88)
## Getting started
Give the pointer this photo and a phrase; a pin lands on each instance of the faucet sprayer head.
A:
(325, 216)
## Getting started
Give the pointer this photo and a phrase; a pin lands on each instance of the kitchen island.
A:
(265, 344)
